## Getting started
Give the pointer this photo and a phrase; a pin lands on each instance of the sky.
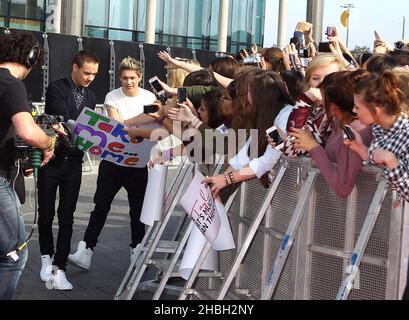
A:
(386, 17)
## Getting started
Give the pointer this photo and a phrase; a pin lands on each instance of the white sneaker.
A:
(46, 272)
(60, 282)
(134, 252)
(81, 258)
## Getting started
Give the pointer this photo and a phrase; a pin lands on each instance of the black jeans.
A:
(111, 178)
(66, 176)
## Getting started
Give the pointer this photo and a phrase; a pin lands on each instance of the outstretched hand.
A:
(171, 62)
(303, 139)
(183, 113)
(216, 184)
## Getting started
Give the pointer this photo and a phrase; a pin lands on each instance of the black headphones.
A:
(33, 56)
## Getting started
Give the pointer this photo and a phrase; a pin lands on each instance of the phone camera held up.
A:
(348, 133)
(181, 95)
(276, 137)
(152, 108)
(159, 91)
(330, 32)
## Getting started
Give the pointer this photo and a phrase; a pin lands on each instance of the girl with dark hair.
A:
(267, 95)
(209, 111)
(337, 90)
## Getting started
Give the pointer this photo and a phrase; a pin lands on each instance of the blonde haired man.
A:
(122, 104)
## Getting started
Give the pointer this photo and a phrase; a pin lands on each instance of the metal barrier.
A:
(319, 244)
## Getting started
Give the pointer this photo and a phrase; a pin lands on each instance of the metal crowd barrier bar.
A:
(362, 242)
(322, 240)
(152, 236)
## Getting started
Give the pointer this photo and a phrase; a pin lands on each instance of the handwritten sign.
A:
(105, 138)
(200, 206)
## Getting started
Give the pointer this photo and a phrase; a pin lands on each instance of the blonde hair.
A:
(322, 60)
(177, 76)
(130, 63)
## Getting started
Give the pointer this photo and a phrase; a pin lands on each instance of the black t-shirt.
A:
(13, 100)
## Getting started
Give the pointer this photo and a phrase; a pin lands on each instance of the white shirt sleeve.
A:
(266, 162)
(282, 118)
(241, 159)
(110, 101)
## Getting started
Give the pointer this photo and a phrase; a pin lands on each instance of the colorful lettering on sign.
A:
(79, 128)
(105, 138)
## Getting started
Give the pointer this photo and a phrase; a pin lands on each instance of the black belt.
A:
(4, 174)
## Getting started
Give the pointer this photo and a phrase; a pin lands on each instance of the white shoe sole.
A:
(62, 289)
(77, 264)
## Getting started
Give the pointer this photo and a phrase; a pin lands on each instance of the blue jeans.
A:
(12, 235)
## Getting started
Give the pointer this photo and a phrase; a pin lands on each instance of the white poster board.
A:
(105, 138)
(200, 206)
(154, 195)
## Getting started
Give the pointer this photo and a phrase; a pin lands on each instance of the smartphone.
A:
(181, 95)
(275, 135)
(330, 32)
(324, 47)
(154, 82)
(292, 62)
(348, 134)
(151, 108)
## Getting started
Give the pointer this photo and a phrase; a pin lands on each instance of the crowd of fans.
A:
(311, 97)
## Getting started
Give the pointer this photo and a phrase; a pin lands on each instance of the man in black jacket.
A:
(65, 97)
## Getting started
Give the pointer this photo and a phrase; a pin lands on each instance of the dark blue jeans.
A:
(12, 235)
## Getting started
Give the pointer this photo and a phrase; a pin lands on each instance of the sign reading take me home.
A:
(105, 138)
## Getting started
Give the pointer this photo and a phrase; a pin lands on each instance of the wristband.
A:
(226, 179)
(231, 175)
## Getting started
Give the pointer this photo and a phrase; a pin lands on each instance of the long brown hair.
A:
(269, 96)
(242, 112)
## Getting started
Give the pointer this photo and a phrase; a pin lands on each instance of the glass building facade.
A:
(23, 14)
(179, 23)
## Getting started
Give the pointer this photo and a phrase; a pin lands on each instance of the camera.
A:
(46, 122)
(151, 108)
(275, 135)
(348, 133)
(324, 47)
(181, 95)
(293, 63)
(330, 32)
(154, 82)
(252, 59)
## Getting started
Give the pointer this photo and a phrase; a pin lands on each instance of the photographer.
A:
(67, 98)
(19, 53)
